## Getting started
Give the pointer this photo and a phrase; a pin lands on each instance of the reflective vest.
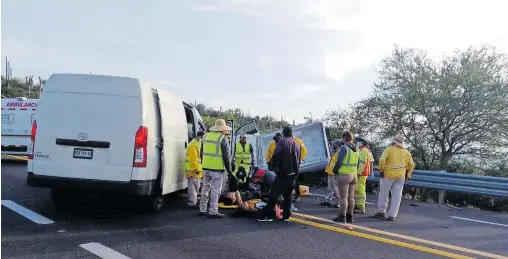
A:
(350, 162)
(189, 171)
(364, 158)
(331, 163)
(242, 153)
(212, 151)
(241, 173)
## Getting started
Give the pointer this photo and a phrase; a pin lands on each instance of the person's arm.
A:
(410, 165)
(193, 158)
(362, 160)
(303, 149)
(226, 158)
(340, 157)
(251, 155)
(298, 157)
(382, 160)
(201, 148)
(269, 151)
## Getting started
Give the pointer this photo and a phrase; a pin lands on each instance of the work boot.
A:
(391, 219)
(326, 204)
(216, 215)
(380, 215)
(349, 218)
(264, 219)
(340, 219)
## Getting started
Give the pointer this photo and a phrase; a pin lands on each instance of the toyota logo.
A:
(82, 136)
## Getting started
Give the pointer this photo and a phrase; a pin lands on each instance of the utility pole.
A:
(40, 87)
(6, 72)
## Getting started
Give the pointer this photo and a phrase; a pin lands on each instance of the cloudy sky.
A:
(284, 57)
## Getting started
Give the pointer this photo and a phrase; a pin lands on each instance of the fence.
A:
(463, 183)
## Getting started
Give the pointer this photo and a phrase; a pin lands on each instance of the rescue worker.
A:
(216, 160)
(193, 169)
(244, 159)
(271, 148)
(346, 169)
(333, 196)
(364, 170)
(303, 151)
(396, 166)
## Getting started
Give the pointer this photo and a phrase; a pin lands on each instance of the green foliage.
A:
(266, 123)
(18, 88)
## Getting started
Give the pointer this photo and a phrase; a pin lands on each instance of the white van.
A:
(18, 114)
(107, 133)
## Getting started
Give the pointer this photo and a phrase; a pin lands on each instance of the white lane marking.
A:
(102, 251)
(37, 218)
(481, 221)
(321, 195)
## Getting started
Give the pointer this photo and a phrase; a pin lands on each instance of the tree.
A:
(456, 107)
(19, 88)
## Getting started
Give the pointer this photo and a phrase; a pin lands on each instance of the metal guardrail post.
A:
(441, 197)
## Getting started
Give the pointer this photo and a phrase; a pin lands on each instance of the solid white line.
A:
(481, 221)
(102, 251)
(37, 218)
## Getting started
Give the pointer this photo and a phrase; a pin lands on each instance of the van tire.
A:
(62, 198)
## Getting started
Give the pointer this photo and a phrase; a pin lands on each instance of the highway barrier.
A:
(462, 183)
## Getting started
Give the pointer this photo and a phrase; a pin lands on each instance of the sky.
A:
(287, 58)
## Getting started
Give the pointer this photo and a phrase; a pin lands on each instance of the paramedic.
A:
(364, 170)
(303, 151)
(346, 169)
(193, 169)
(216, 159)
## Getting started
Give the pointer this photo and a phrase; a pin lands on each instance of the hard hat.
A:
(361, 138)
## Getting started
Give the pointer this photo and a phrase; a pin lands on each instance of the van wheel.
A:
(61, 198)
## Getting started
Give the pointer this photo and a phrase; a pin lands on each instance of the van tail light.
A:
(140, 143)
(32, 139)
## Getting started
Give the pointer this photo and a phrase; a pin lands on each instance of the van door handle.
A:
(185, 144)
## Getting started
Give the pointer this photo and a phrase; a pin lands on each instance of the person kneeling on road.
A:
(285, 162)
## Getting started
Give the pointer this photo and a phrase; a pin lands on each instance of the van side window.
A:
(191, 130)
(201, 126)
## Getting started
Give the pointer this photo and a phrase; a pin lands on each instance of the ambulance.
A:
(109, 135)
(18, 114)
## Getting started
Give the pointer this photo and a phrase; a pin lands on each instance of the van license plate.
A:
(83, 153)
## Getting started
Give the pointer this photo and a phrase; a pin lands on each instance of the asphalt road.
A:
(111, 226)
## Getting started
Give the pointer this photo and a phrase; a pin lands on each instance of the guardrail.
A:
(463, 183)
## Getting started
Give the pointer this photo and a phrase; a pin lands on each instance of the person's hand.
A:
(382, 174)
(407, 177)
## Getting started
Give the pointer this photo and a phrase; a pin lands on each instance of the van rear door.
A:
(174, 142)
(86, 135)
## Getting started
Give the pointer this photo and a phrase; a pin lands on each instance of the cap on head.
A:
(287, 131)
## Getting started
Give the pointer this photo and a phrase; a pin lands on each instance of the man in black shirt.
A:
(285, 162)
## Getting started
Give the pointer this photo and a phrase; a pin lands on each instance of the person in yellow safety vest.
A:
(216, 159)
(193, 169)
(271, 149)
(303, 151)
(346, 169)
(396, 165)
(364, 170)
(333, 195)
(244, 159)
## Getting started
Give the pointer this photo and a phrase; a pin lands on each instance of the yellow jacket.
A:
(194, 157)
(303, 149)
(269, 152)
(331, 163)
(395, 162)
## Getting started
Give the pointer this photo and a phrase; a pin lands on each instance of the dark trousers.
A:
(282, 185)
(297, 188)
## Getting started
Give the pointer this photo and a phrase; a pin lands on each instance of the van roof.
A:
(95, 84)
